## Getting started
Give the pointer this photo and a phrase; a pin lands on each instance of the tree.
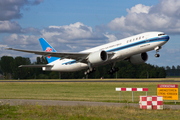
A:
(6, 66)
(174, 70)
(22, 73)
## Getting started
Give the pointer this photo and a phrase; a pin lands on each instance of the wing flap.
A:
(35, 66)
(68, 55)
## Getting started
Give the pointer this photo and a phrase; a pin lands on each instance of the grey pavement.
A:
(13, 102)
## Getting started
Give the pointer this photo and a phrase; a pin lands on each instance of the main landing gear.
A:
(113, 69)
(157, 50)
(90, 70)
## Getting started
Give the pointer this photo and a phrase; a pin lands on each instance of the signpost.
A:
(168, 91)
(131, 89)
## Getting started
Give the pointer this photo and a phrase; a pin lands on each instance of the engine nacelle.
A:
(98, 57)
(139, 58)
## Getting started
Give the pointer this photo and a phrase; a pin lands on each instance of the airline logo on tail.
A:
(48, 49)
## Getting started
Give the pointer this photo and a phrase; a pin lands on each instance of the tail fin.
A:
(47, 47)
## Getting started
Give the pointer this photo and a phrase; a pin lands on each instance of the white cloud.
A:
(111, 37)
(21, 41)
(9, 27)
(11, 9)
(73, 31)
(139, 8)
(169, 8)
(140, 18)
(76, 36)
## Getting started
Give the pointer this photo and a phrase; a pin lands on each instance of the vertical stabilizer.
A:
(47, 47)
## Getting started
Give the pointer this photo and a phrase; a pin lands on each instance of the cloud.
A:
(10, 9)
(9, 27)
(76, 36)
(22, 41)
(32, 30)
(73, 31)
(36, 2)
(139, 8)
(14, 27)
(73, 38)
(169, 8)
(111, 37)
(27, 42)
(140, 18)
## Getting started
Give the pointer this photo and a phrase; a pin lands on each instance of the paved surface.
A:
(13, 102)
(90, 80)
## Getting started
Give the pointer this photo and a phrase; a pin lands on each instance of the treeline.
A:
(10, 70)
(173, 71)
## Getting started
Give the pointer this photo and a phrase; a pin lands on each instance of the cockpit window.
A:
(161, 34)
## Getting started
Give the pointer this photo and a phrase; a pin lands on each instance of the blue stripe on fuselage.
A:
(69, 62)
(156, 39)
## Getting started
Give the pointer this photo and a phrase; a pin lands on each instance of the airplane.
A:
(133, 48)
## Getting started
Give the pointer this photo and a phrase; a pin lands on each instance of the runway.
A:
(14, 102)
(90, 80)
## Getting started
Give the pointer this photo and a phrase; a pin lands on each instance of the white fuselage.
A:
(122, 49)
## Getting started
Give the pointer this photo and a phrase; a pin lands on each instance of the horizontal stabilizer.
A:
(35, 66)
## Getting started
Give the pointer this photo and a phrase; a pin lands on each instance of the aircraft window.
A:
(139, 37)
(161, 34)
(136, 38)
(142, 36)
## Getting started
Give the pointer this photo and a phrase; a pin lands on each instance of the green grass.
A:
(75, 91)
(37, 112)
(90, 91)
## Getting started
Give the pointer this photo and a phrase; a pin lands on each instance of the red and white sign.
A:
(151, 102)
(48, 49)
(131, 89)
(167, 86)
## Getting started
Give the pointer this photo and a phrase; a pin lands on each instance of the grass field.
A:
(76, 91)
(37, 112)
(79, 91)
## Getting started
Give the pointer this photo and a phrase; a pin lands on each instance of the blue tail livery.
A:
(47, 48)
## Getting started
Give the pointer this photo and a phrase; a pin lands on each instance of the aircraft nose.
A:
(167, 38)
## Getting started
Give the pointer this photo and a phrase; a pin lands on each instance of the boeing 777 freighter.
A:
(133, 48)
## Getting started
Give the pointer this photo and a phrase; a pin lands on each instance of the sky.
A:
(76, 25)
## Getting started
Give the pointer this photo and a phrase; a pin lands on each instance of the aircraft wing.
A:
(69, 55)
(36, 66)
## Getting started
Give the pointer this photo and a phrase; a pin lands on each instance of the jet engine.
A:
(139, 58)
(98, 57)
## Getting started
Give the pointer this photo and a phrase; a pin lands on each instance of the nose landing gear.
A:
(157, 55)
(157, 50)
